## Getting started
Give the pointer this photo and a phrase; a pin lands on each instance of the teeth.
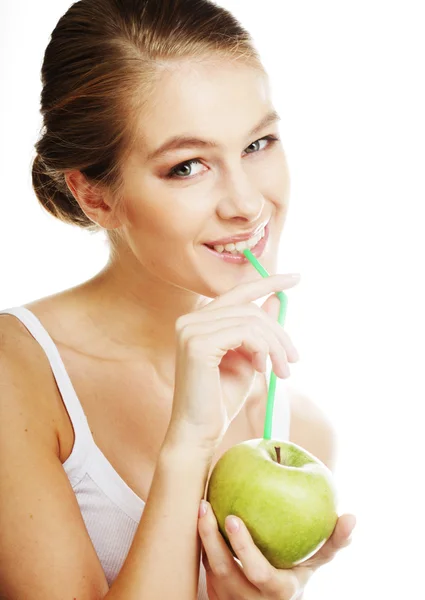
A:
(229, 247)
(240, 246)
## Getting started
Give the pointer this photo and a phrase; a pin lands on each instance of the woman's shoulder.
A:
(17, 346)
(27, 383)
(311, 427)
(51, 310)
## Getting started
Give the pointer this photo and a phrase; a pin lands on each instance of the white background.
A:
(348, 80)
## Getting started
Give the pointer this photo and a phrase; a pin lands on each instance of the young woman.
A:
(119, 395)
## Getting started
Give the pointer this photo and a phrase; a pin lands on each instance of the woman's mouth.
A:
(234, 252)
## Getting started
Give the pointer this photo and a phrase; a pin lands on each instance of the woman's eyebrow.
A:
(189, 141)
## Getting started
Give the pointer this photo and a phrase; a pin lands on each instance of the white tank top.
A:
(110, 508)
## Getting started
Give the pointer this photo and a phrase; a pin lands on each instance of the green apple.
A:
(284, 495)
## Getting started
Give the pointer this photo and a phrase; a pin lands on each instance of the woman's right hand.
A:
(219, 349)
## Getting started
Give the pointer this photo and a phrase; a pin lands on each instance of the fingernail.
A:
(202, 508)
(294, 275)
(232, 524)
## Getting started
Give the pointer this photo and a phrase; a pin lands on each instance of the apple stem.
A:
(277, 453)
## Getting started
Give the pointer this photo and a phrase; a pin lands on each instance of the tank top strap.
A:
(83, 436)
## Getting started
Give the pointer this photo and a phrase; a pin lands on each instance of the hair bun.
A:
(54, 195)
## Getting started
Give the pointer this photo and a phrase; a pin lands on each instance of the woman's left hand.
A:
(258, 579)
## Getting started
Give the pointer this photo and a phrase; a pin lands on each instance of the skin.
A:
(162, 270)
(258, 579)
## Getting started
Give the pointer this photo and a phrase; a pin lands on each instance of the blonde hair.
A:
(98, 70)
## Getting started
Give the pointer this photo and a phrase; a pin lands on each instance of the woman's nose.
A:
(240, 198)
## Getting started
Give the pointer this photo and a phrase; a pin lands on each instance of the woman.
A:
(159, 130)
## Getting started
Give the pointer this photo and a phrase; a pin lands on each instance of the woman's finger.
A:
(205, 561)
(287, 583)
(212, 594)
(256, 567)
(218, 560)
(218, 589)
(245, 312)
(253, 290)
(339, 539)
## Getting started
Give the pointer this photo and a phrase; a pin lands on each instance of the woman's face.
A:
(229, 179)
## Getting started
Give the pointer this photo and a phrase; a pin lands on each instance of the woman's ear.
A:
(93, 199)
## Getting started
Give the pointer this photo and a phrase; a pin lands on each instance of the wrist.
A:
(180, 442)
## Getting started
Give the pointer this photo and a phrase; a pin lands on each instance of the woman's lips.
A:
(257, 250)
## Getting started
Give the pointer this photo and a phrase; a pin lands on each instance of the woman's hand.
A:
(219, 349)
(257, 579)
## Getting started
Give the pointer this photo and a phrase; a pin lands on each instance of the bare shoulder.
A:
(11, 330)
(25, 369)
(311, 427)
(19, 351)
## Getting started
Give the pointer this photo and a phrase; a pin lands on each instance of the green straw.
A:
(281, 320)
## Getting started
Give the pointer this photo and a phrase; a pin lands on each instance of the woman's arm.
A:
(163, 561)
(45, 550)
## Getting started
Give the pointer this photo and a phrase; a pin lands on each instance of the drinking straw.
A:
(281, 320)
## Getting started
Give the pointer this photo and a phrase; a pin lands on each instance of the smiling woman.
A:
(158, 128)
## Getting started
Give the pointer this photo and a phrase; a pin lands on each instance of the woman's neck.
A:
(134, 314)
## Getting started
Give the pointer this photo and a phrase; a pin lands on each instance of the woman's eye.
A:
(184, 170)
(256, 146)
